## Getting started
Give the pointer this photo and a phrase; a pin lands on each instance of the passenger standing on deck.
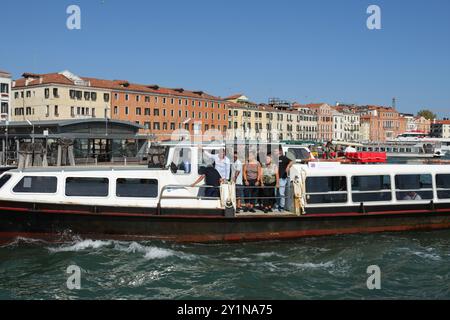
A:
(270, 178)
(252, 179)
(212, 179)
(236, 177)
(284, 166)
(221, 162)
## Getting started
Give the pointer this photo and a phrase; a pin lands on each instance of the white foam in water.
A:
(149, 252)
(269, 254)
(82, 245)
(427, 256)
(310, 265)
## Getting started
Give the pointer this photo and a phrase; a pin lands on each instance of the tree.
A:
(427, 114)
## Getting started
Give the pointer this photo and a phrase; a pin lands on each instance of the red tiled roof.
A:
(233, 97)
(309, 105)
(441, 122)
(114, 85)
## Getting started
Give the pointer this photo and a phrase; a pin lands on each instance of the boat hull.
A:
(61, 223)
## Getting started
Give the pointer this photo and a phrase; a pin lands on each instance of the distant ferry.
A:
(406, 149)
(160, 204)
(423, 138)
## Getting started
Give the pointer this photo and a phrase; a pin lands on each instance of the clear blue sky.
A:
(307, 51)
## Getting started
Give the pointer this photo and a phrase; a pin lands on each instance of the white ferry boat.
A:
(159, 203)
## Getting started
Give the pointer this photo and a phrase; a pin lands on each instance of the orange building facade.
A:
(162, 111)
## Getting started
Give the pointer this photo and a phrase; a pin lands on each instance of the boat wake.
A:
(149, 252)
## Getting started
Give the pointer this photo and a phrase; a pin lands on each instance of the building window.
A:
(147, 125)
(156, 126)
(4, 108)
(127, 97)
(87, 187)
(4, 88)
(138, 111)
(55, 93)
(164, 125)
(36, 185)
(127, 111)
(116, 96)
(137, 188)
(72, 111)
(106, 97)
(87, 96)
(46, 93)
(147, 111)
(94, 96)
(116, 110)
(147, 99)
(138, 98)
(156, 112)
(56, 111)
(93, 113)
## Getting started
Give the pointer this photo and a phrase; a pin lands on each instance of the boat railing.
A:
(238, 196)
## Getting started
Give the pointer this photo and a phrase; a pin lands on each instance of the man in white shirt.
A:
(236, 177)
(221, 163)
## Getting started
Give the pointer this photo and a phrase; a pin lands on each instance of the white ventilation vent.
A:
(74, 78)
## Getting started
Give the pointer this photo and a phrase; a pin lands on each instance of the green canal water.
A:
(413, 265)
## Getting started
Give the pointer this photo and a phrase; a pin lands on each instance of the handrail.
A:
(161, 197)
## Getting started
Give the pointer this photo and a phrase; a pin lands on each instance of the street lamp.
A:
(32, 132)
(106, 120)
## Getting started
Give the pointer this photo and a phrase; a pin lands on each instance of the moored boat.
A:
(160, 203)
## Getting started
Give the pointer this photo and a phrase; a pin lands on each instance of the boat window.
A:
(371, 188)
(443, 186)
(4, 179)
(32, 184)
(87, 187)
(137, 188)
(414, 187)
(326, 190)
(182, 161)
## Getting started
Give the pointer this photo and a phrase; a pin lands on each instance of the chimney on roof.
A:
(200, 93)
(181, 90)
(153, 86)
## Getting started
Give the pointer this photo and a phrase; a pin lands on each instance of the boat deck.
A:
(260, 213)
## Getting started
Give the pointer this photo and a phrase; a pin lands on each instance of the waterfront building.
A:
(277, 120)
(307, 127)
(324, 114)
(364, 130)
(5, 95)
(440, 129)
(160, 111)
(58, 96)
